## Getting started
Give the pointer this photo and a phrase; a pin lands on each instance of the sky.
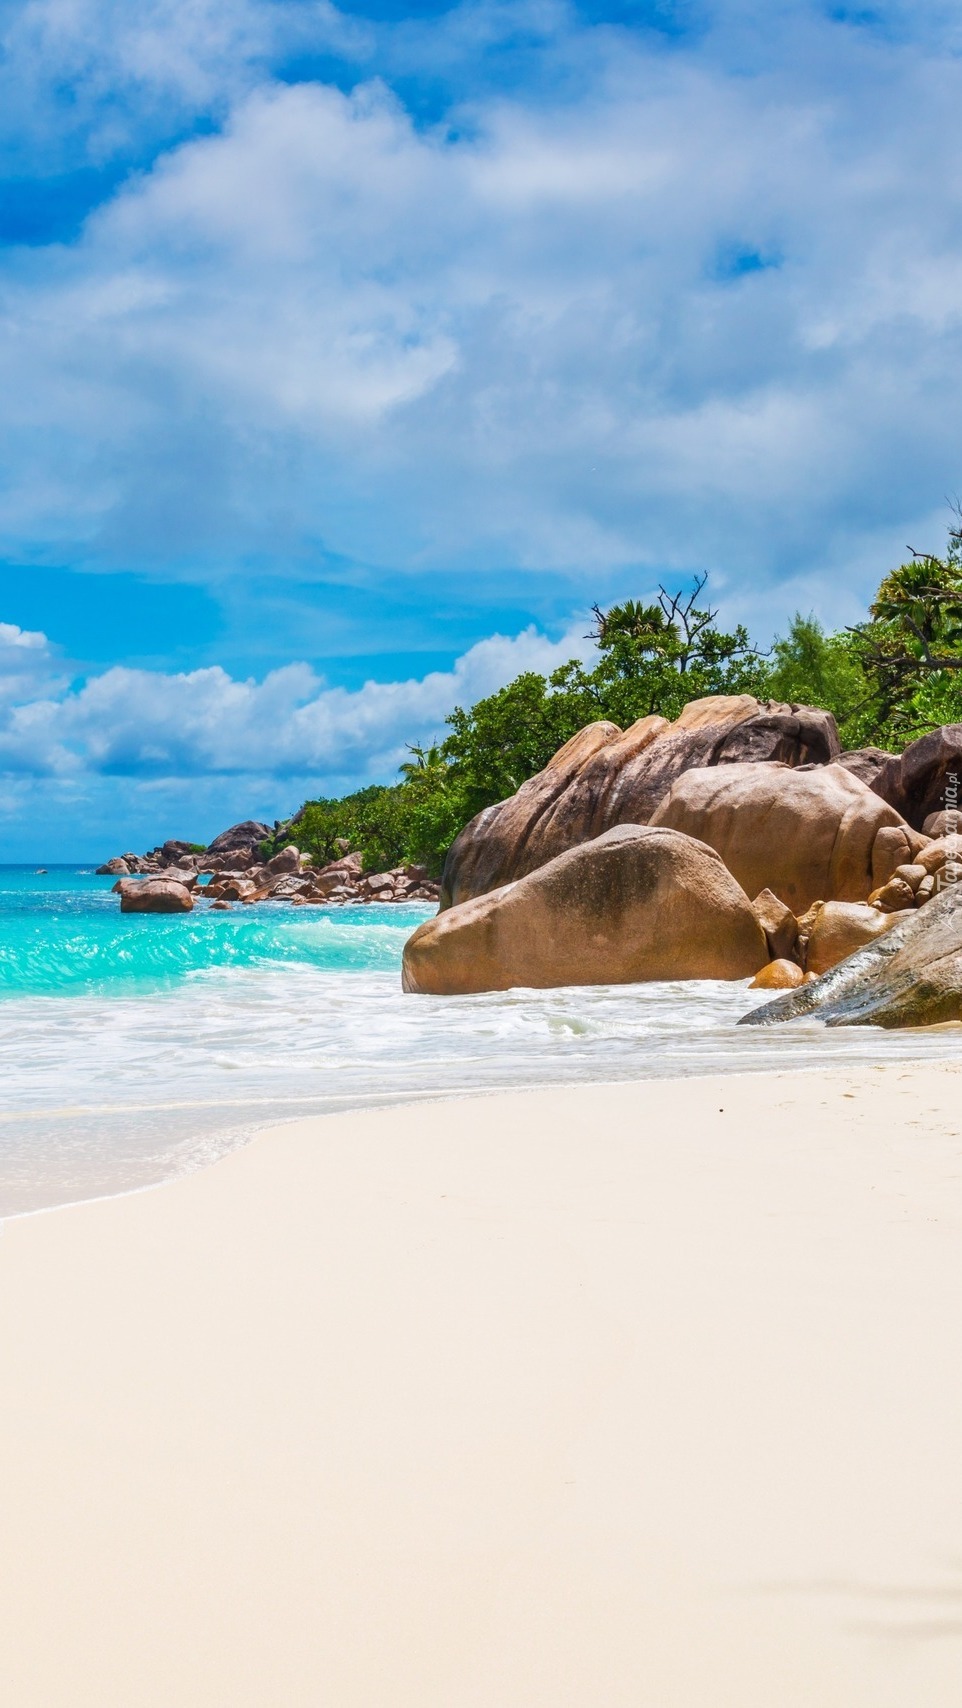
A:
(349, 354)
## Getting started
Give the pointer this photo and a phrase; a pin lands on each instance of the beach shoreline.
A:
(645, 1391)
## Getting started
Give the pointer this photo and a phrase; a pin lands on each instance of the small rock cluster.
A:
(934, 868)
(829, 931)
(166, 880)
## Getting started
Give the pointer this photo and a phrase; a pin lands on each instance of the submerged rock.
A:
(910, 976)
(632, 905)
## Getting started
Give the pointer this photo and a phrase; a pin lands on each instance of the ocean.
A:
(137, 1047)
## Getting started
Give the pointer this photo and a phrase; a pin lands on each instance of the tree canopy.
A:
(886, 680)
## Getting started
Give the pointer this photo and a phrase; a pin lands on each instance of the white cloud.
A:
(327, 330)
(147, 724)
(27, 666)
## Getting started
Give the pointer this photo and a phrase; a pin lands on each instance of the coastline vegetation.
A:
(887, 680)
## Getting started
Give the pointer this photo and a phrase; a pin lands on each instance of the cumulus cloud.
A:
(686, 306)
(203, 723)
(93, 80)
(27, 665)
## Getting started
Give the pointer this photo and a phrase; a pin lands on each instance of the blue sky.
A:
(350, 353)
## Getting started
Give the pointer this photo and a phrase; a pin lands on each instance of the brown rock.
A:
(778, 975)
(287, 886)
(177, 875)
(176, 854)
(244, 839)
(894, 846)
(841, 927)
(805, 834)
(944, 823)
(605, 776)
(778, 923)
(348, 866)
(117, 865)
(288, 860)
(865, 763)
(156, 895)
(220, 907)
(379, 881)
(236, 889)
(936, 855)
(911, 875)
(893, 897)
(635, 904)
(325, 883)
(924, 779)
(911, 976)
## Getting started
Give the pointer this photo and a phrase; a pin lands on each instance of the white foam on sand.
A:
(106, 1093)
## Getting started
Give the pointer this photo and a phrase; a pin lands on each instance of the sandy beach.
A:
(647, 1394)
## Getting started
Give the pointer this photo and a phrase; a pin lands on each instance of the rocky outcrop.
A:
(240, 838)
(633, 904)
(174, 875)
(865, 763)
(177, 853)
(605, 776)
(838, 928)
(809, 835)
(288, 860)
(910, 976)
(946, 822)
(341, 881)
(154, 895)
(238, 874)
(779, 925)
(926, 777)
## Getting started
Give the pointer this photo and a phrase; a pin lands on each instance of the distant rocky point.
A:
(166, 880)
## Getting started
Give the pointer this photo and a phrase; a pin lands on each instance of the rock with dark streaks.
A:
(606, 776)
(910, 976)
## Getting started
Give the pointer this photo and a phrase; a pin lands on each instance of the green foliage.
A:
(651, 658)
(910, 649)
(372, 820)
(885, 680)
(812, 668)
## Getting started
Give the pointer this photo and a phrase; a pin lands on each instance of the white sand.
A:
(640, 1397)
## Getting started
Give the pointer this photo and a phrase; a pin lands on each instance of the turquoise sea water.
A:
(133, 1047)
(62, 933)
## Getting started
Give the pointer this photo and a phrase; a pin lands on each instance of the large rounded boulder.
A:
(817, 834)
(924, 778)
(606, 776)
(241, 842)
(154, 895)
(632, 905)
